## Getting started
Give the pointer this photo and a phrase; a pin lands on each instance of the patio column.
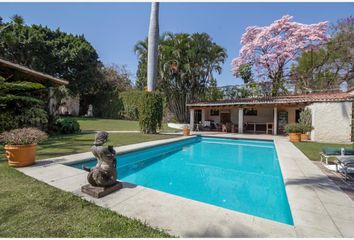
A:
(275, 122)
(51, 101)
(191, 119)
(240, 120)
(203, 116)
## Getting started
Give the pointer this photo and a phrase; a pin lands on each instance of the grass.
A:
(90, 124)
(29, 208)
(62, 145)
(312, 149)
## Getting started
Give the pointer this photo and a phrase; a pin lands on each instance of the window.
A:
(214, 112)
(250, 112)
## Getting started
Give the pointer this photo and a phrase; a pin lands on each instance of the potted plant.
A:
(294, 131)
(20, 145)
(186, 130)
(305, 122)
(305, 129)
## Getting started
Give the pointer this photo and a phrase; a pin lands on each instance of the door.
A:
(225, 117)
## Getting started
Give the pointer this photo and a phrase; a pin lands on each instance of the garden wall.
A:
(331, 122)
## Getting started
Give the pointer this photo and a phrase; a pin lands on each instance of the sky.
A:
(114, 28)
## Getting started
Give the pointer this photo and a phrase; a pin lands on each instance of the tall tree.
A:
(186, 67)
(153, 42)
(270, 49)
(326, 68)
(54, 52)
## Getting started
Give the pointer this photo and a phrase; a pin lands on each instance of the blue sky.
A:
(114, 28)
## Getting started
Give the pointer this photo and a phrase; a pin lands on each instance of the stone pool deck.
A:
(319, 207)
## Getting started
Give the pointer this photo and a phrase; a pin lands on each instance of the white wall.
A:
(331, 122)
(263, 115)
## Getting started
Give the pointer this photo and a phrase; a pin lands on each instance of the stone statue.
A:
(104, 173)
(90, 111)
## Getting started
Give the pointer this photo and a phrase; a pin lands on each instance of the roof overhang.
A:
(40, 77)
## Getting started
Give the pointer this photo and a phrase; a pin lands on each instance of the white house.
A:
(331, 115)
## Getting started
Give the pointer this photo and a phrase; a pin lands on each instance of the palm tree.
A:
(153, 42)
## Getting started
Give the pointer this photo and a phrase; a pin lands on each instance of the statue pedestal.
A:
(99, 192)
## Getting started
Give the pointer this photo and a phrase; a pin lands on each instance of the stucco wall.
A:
(331, 122)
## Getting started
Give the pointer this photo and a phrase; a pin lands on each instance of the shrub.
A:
(67, 126)
(150, 112)
(292, 128)
(305, 128)
(131, 100)
(32, 117)
(23, 136)
(306, 117)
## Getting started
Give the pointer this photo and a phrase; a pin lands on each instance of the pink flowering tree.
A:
(270, 49)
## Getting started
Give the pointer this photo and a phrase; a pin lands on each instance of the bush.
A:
(23, 136)
(150, 112)
(292, 128)
(32, 117)
(306, 117)
(131, 100)
(67, 126)
(305, 128)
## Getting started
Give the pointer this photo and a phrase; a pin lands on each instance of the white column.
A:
(275, 122)
(51, 101)
(240, 120)
(203, 116)
(191, 119)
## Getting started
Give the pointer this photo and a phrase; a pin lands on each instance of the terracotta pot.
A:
(20, 155)
(304, 137)
(186, 131)
(294, 137)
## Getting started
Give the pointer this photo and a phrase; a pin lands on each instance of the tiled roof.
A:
(38, 75)
(302, 98)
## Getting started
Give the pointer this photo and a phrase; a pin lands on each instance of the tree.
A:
(245, 72)
(186, 67)
(106, 100)
(271, 48)
(213, 93)
(330, 65)
(54, 52)
(153, 42)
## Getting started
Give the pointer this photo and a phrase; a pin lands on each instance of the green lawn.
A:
(112, 125)
(29, 208)
(312, 149)
(62, 145)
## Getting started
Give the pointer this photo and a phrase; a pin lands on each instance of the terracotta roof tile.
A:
(301, 98)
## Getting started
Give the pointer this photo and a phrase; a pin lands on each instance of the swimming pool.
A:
(237, 174)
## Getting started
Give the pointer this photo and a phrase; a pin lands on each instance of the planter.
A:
(294, 137)
(20, 155)
(304, 137)
(186, 131)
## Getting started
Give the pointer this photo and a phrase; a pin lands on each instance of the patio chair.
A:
(346, 163)
(335, 152)
(329, 152)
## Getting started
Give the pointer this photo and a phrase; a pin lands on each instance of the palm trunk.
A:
(153, 42)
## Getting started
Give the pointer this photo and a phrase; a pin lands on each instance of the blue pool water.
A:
(237, 174)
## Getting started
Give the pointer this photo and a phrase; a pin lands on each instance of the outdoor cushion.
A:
(331, 151)
(349, 151)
